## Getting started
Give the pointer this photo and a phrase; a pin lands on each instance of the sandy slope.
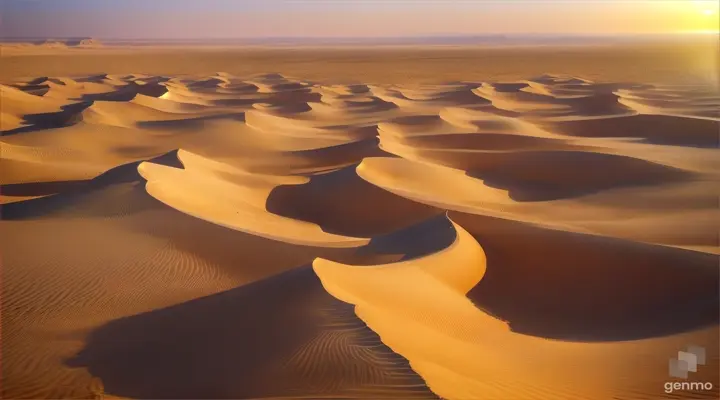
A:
(268, 236)
(481, 358)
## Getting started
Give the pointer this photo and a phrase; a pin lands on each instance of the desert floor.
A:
(454, 222)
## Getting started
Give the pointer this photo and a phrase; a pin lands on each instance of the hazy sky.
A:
(204, 19)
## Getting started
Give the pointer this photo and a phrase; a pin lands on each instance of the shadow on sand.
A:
(283, 336)
(574, 286)
(64, 194)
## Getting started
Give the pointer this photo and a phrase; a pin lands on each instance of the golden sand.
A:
(415, 223)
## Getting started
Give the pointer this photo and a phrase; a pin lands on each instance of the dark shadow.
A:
(655, 129)
(581, 287)
(479, 141)
(208, 83)
(552, 175)
(37, 81)
(368, 132)
(63, 195)
(419, 240)
(233, 102)
(287, 86)
(41, 188)
(99, 78)
(127, 92)
(34, 89)
(354, 89)
(239, 88)
(343, 203)
(579, 84)
(281, 108)
(416, 120)
(121, 95)
(152, 89)
(595, 104)
(153, 79)
(531, 105)
(268, 76)
(507, 87)
(283, 336)
(185, 122)
(554, 79)
(69, 115)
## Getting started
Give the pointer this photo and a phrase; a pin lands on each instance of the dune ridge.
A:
(270, 236)
(476, 345)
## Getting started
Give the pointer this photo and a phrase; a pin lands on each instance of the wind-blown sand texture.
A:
(269, 236)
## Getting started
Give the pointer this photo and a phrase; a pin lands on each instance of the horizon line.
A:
(523, 35)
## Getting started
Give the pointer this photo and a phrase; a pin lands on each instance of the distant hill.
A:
(74, 42)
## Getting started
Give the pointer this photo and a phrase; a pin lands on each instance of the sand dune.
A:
(18, 104)
(138, 256)
(218, 235)
(320, 348)
(189, 190)
(479, 350)
(581, 202)
(554, 98)
(669, 100)
(429, 97)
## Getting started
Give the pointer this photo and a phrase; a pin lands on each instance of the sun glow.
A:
(707, 8)
(704, 16)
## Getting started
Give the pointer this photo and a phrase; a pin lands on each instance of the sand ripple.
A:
(266, 236)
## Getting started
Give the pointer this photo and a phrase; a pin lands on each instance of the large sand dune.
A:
(266, 236)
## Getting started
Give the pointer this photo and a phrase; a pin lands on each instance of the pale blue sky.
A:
(204, 19)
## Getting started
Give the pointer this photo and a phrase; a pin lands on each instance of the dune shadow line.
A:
(242, 344)
(580, 287)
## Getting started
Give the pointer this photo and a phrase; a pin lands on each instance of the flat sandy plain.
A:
(452, 222)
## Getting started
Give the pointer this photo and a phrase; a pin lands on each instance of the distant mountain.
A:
(58, 43)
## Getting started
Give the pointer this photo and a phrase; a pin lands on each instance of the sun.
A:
(702, 15)
(709, 7)
(705, 7)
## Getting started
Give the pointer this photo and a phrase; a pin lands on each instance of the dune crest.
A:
(478, 351)
(178, 233)
(237, 200)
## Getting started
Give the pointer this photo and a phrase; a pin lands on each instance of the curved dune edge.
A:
(442, 187)
(695, 102)
(232, 201)
(453, 189)
(158, 263)
(16, 104)
(432, 184)
(419, 310)
(287, 171)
